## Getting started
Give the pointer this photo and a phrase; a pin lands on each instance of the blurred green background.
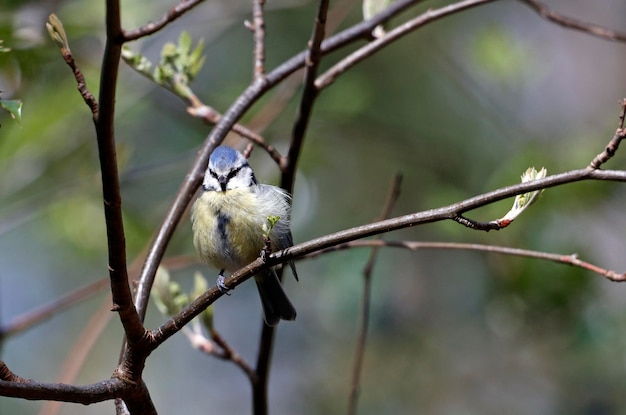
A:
(460, 107)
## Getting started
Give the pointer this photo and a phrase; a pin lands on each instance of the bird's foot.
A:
(220, 284)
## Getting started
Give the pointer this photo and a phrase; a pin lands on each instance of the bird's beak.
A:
(223, 181)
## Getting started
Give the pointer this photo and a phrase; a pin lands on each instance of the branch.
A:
(46, 311)
(571, 259)
(105, 132)
(258, 28)
(212, 117)
(15, 386)
(368, 50)
(153, 27)
(434, 215)
(309, 93)
(359, 352)
(57, 32)
(571, 23)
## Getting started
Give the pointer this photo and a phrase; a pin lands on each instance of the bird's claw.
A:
(221, 286)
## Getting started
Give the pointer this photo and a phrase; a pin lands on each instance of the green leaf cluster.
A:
(177, 68)
(170, 298)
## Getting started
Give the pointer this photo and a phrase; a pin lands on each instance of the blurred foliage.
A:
(461, 107)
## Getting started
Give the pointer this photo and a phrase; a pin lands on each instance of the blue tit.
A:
(228, 221)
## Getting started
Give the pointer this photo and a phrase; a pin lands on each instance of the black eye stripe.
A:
(233, 173)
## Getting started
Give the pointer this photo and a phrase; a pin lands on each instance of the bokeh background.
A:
(460, 107)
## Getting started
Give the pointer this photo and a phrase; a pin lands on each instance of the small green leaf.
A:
(184, 43)
(14, 107)
(267, 227)
(137, 61)
(523, 201)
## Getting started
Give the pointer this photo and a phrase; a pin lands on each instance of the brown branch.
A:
(571, 23)
(288, 169)
(309, 94)
(153, 27)
(228, 353)
(359, 352)
(14, 386)
(258, 28)
(105, 132)
(613, 145)
(211, 116)
(480, 226)
(88, 97)
(58, 34)
(368, 50)
(78, 354)
(571, 259)
(328, 241)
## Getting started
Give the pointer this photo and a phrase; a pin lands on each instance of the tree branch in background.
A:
(153, 27)
(568, 259)
(575, 24)
(359, 352)
(46, 311)
(288, 170)
(309, 93)
(368, 50)
(258, 29)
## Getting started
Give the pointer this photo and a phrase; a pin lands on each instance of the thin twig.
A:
(613, 145)
(46, 311)
(153, 27)
(78, 354)
(309, 93)
(258, 29)
(368, 50)
(228, 353)
(211, 116)
(575, 24)
(569, 259)
(88, 97)
(359, 353)
(288, 169)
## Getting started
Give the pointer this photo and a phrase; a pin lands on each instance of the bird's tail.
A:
(276, 304)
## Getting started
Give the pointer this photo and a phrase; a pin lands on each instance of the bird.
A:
(230, 219)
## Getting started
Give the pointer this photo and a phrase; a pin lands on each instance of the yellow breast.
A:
(227, 229)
